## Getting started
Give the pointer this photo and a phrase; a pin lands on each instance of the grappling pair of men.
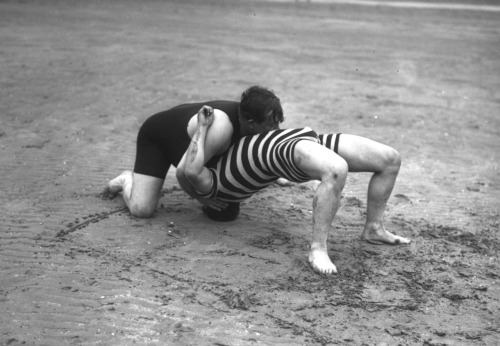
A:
(226, 151)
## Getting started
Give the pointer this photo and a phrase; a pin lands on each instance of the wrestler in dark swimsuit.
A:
(163, 138)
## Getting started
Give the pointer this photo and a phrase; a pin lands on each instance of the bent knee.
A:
(337, 171)
(393, 160)
(142, 211)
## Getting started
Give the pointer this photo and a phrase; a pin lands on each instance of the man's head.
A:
(260, 111)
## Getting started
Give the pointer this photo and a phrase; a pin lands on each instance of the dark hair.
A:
(258, 103)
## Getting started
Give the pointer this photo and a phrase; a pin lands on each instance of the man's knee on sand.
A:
(143, 196)
(142, 211)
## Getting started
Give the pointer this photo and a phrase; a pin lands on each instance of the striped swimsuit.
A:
(255, 162)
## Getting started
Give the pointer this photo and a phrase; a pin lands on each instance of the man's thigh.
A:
(146, 190)
(318, 161)
(363, 154)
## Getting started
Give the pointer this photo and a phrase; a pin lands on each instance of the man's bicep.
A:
(218, 138)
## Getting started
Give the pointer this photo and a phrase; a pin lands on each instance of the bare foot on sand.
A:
(115, 186)
(320, 262)
(379, 236)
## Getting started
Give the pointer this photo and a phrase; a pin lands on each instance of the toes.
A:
(401, 240)
(107, 193)
(323, 270)
(321, 263)
(330, 271)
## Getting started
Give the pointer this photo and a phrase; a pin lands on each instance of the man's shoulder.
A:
(222, 104)
(228, 107)
(299, 132)
(219, 104)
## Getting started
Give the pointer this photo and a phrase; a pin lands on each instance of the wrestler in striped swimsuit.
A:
(255, 162)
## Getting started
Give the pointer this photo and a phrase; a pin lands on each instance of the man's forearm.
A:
(195, 155)
(196, 173)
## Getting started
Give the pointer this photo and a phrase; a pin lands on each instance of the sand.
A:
(78, 79)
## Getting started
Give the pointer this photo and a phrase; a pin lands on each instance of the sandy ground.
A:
(79, 77)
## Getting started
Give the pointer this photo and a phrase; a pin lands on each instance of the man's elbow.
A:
(191, 174)
(180, 172)
(186, 173)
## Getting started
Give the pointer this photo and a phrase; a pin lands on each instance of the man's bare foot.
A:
(320, 262)
(115, 186)
(379, 236)
(107, 193)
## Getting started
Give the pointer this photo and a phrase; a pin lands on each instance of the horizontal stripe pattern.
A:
(257, 161)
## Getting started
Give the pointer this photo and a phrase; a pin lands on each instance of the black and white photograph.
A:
(250, 172)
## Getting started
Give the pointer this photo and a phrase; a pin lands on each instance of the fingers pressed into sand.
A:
(320, 262)
(384, 237)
